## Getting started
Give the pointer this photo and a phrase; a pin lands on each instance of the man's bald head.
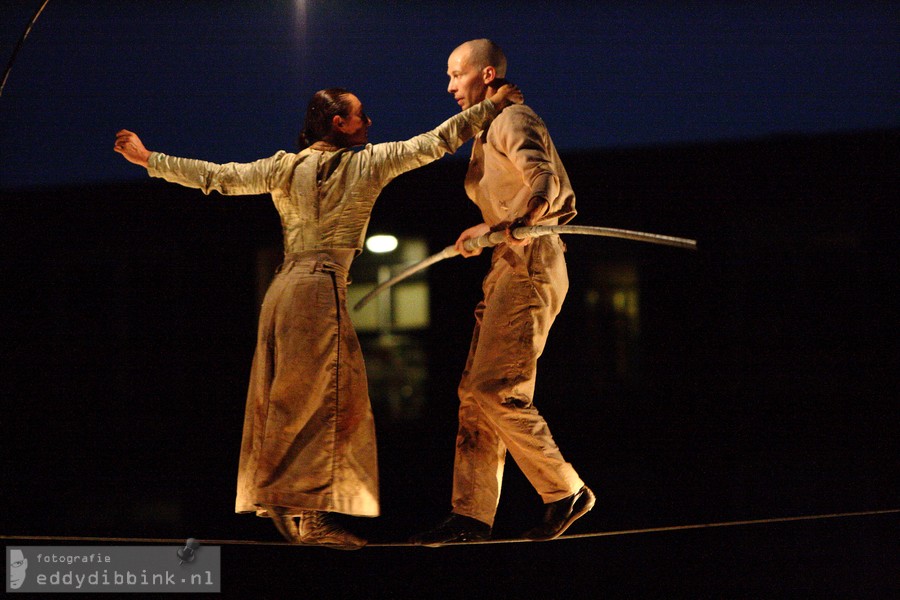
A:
(483, 53)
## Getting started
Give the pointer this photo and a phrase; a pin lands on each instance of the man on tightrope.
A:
(515, 177)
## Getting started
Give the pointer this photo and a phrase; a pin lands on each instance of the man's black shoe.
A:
(455, 528)
(562, 513)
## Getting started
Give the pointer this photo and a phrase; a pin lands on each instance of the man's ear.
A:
(488, 74)
(337, 122)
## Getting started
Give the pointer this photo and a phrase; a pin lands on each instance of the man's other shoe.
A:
(454, 529)
(561, 514)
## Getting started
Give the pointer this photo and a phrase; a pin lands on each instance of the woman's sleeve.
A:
(393, 158)
(231, 179)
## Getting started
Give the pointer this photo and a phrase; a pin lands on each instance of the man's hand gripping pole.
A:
(520, 233)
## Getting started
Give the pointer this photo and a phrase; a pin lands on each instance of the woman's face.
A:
(355, 126)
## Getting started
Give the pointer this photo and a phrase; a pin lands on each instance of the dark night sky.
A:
(229, 80)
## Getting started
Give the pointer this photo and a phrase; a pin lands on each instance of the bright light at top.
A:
(381, 243)
(301, 13)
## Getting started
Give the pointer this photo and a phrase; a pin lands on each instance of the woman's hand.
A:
(129, 145)
(507, 95)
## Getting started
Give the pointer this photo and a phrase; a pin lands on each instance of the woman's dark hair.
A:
(322, 108)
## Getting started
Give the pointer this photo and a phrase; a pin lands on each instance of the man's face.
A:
(467, 83)
(17, 568)
(355, 126)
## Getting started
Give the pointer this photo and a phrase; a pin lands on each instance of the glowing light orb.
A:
(380, 244)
